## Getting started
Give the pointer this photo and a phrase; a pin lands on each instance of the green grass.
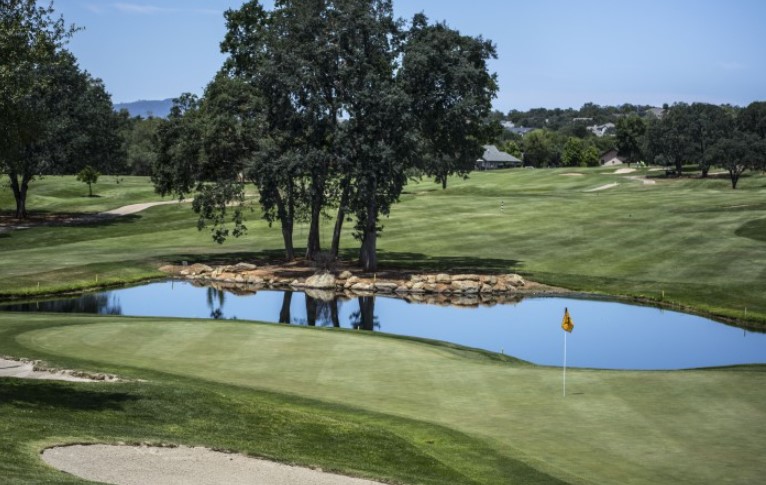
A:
(422, 413)
(690, 242)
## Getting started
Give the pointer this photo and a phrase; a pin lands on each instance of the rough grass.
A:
(686, 241)
(702, 426)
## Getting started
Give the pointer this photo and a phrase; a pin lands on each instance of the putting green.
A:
(703, 426)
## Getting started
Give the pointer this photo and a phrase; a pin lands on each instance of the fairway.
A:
(701, 426)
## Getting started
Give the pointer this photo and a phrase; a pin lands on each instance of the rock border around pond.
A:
(470, 287)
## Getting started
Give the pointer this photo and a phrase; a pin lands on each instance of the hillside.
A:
(147, 108)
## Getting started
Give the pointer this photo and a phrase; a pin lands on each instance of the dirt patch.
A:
(25, 369)
(137, 465)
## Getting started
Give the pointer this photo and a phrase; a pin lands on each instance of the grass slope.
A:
(689, 241)
(704, 426)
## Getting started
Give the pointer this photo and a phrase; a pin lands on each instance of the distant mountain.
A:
(145, 109)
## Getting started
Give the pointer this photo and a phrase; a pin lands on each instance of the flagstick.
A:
(565, 364)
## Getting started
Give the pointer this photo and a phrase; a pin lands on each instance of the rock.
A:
(416, 278)
(239, 278)
(297, 284)
(322, 295)
(345, 275)
(385, 287)
(430, 279)
(430, 287)
(442, 288)
(323, 281)
(466, 277)
(500, 288)
(493, 280)
(245, 267)
(185, 272)
(514, 280)
(418, 287)
(362, 287)
(254, 280)
(168, 268)
(465, 286)
(443, 278)
(353, 280)
(402, 289)
(485, 288)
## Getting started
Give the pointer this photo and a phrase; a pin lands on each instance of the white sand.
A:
(603, 187)
(133, 208)
(26, 370)
(139, 465)
(621, 171)
(572, 174)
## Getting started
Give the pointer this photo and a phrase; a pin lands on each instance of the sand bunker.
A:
(621, 171)
(26, 370)
(643, 180)
(603, 187)
(138, 465)
(572, 174)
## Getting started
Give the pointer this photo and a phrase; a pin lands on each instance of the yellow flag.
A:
(567, 323)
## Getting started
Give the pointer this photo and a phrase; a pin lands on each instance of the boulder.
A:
(430, 279)
(485, 288)
(443, 278)
(345, 275)
(514, 280)
(323, 281)
(430, 287)
(416, 278)
(254, 280)
(199, 268)
(500, 287)
(466, 286)
(418, 287)
(442, 288)
(321, 295)
(385, 287)
(245, 266)
(402, 289)
(367, 287)
(297, 284)
(466, 277)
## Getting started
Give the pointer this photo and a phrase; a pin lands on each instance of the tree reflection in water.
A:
(365, 318)
(215, 301)
(95, 303)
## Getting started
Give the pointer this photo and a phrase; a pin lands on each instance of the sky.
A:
(551, 53)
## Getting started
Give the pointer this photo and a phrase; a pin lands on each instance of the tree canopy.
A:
(326, 105)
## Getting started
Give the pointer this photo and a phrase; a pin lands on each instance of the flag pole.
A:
(565, 364)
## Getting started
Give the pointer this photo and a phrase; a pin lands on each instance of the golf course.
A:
(390, 408)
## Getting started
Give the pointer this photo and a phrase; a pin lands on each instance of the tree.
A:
(31, 45)
(753, 118)
(630, 133)
(90, 176)
(537, 149)
(574, 152)
(705, 124)
(737, 154)
(56, 118)
(139, 138)
(330, 116)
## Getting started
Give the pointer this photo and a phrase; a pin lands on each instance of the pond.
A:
(607, 335)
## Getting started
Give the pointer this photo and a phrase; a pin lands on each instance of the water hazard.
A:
(606, 335)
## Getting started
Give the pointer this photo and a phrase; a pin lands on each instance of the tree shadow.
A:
(393, 260)
(46, 394)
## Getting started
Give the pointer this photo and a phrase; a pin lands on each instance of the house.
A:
(612, 157)
(601, 130)
(494, 159)
(656, 112)
(520, 130)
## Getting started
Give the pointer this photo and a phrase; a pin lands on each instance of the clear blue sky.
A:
(552, 53)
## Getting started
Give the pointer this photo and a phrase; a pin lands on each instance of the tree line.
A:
(680, 135)
(328, 108)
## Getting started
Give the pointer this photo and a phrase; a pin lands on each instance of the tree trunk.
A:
(284, 313)
(313, 245)
(679, 167)
(734, 175)
(705, 171)
(368, 253)
(90, 190)
(20, 189)
(336, 233)
(285, 215)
